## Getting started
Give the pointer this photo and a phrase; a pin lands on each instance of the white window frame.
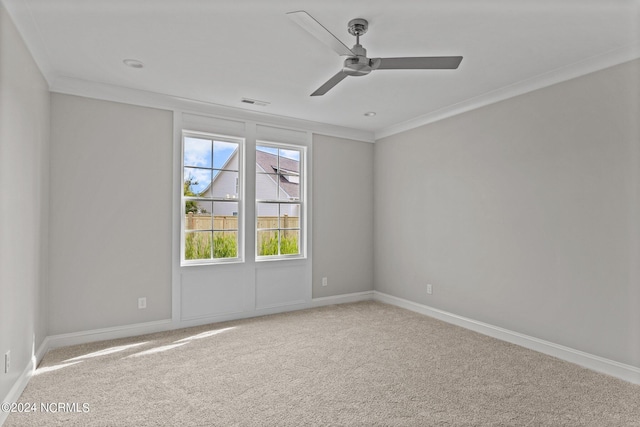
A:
(240, 199)
(302, 201)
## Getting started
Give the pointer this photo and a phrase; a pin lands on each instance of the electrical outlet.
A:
(142, 302)
(429, 289)
(324, 281)
(7, 361)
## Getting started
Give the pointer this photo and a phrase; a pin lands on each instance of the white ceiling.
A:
(218, 51)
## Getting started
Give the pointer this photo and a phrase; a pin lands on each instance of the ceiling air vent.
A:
(255, 102)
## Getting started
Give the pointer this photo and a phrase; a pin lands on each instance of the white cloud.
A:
(197, 152)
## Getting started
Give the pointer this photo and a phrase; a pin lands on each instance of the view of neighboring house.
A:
(225, 183)
(277, 178)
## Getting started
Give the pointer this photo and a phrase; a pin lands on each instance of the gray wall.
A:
(523, 214)
(110, 220)
(342, 216)
(24, 151)
(111, 183)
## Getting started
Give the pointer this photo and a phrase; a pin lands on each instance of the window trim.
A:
(240, 199)
(301, 201)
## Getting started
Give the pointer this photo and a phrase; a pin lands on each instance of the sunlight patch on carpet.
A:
(156, 350)
(206, 334)
(107, 351)
(54, 368)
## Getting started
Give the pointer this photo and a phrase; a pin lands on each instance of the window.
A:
(211, 198)
(279, 200)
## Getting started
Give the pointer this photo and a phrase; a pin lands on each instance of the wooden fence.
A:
(203, 222)
(269, 240)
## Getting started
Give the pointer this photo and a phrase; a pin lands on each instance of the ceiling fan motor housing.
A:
(358, 65)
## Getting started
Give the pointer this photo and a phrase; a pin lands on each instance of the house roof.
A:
(224, 166)
(269, 163)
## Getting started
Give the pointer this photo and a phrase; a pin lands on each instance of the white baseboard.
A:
(342, 299)
(63, 340)
(42, 350)
(239, 315)
(610, 367)
(18, 387)
(82, 337)
(282, 308)
(600, 364)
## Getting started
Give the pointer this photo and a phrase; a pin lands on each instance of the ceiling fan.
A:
(357, 63)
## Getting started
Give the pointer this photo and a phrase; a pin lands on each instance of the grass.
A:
(288, 245)
(199, 245)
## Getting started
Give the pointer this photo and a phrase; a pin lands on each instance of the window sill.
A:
(280, 258)
(201, 263)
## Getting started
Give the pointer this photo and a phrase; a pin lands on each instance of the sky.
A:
(201, 153)
(198, 152)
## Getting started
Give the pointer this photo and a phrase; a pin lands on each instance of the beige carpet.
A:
(362, 364)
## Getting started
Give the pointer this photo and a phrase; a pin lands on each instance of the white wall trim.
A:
(82, 337)
(176, 220)
(30, 33)
(107, 92)
(42, 350)
(239, 315)
(342, 299)
(74, 86)
(596, 363)
(590, 65)
(73, 338)
(610, 367)
(282, 308)
(18, 387)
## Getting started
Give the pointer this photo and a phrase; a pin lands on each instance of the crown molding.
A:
(587, 66)
(108, 92)
(30, 33)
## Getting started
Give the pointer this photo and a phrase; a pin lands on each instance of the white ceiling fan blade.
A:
(329, 84)
(417, 63)
(317, 30)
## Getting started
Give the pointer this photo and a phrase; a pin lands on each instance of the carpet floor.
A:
(361, 364)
